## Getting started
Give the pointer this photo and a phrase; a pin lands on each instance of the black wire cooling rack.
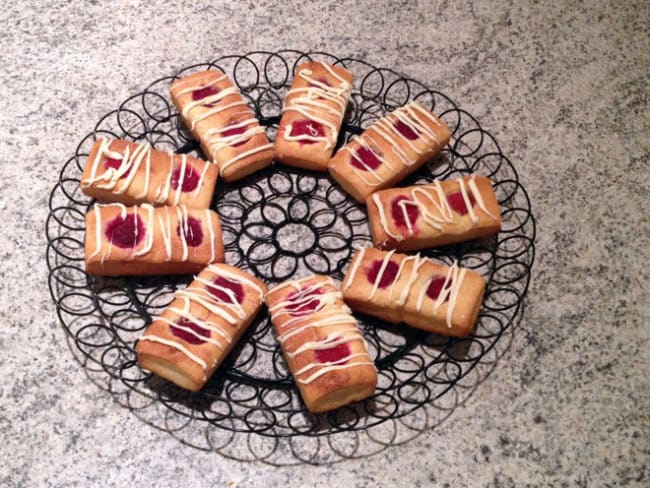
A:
(282, 223)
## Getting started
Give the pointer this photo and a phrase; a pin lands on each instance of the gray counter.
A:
(563, 86)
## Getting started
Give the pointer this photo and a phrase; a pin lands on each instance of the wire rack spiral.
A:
(282, 223)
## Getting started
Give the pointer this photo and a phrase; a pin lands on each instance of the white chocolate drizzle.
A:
(218, 144)
(454, 278)
(355, 267)
(329, 312)
(411, 116)
(380, 273)
(132, 159)
(306, 102)
(155, 219)
(198, 293)
(432, 204)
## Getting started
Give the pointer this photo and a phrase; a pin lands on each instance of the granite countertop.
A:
(563, 86)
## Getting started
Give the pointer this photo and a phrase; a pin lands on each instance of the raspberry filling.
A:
(235, 131)
(368, 159)
(188, 336)
(400, 216)
(457, 202)
(435, 287)
(193, 232)
(205, 92)
(305, 301)
(307, 128)
(190, 179)
(333, 354)
(125, 232)
(388, 276)
(406, 131)
(116, 164)
(322, 81)
(220, 293)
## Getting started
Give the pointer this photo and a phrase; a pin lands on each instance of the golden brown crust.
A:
(389, 235)
(233, 162)
(172, 363)
(330, 320)
(405, 298)
(465, 312)
(312, 156)
(356, 294)
(156, 187)
(167, 253)
(400, 156)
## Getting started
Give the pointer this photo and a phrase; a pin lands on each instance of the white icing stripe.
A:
(468, 203)
(204, 324)
(306, 102)
(224, 272)
(199, 185)
(190, 331)
(299, 302)
(212, 137)
(218, 109)
(207, 303)
(479, 198)
(426, 113)
(209, 100)
(181, 179)
(455, 290)
(179, 82)
(177, 346)
(327, 369)
(329, 363)
(184, 81)
(245, 154)
(419, 262)
(382, 217)
(380, 274)
(296, 283)
(361, 173)
(99, 225)
(131, 162)
(449, 292)
(181, 215)
(408, 115)
(332, 340)
(204, 292)
(353, 271)
(149, 228)
(165, 230)
(154, 218)
(432, 204)
(217, 141)
(208, 218)
(147, 178)
(98, 231)
(335, 316)
(342, 319)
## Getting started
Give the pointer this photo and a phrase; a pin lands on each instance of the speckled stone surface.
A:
(564, 86)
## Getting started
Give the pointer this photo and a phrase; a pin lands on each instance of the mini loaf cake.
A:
(312, 115)
(197, 331)
(443, 212)
(212, 107)
(414, 290)
(133, 173)
(147, 240)
(389, 150)
(321, 342)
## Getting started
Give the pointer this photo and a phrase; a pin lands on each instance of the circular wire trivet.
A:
(285, 223)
